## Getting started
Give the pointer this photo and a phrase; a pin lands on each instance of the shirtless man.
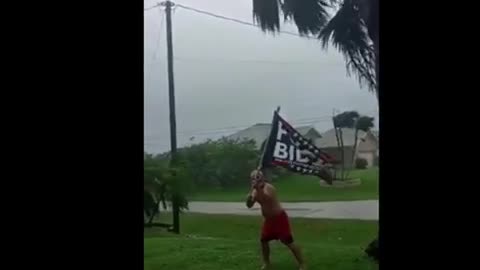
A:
(276, 225)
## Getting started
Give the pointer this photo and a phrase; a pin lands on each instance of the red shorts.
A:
(277, 228)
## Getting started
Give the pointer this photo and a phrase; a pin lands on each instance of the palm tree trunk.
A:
(354, 148)
(342, 154)
(338, 145)
(153, 213)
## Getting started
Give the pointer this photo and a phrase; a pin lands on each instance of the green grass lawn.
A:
(298, 188)
(225, 242)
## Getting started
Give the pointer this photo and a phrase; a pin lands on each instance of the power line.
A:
(224, 130)
(260, 61)
(234, 20)
(156, 47)
(208, 13)
(230, 129)
(152, 7)
(297, 123)
(237, 21)
(161, 141)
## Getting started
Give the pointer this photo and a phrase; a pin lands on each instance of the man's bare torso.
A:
(268, 201)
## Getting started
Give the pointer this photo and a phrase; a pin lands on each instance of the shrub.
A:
(372, 250)
(361, 163)
(223, 163)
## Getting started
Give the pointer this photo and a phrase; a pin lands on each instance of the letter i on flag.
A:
(286, 147)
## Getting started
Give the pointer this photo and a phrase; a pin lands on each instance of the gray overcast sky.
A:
(218, 84)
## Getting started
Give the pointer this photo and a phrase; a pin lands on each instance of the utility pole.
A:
(171, 98)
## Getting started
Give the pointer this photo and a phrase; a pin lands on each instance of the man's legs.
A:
(296, 252)
(265, 254)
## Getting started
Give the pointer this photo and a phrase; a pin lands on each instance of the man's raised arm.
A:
(250, 199)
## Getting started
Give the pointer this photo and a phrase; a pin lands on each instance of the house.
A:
(367, 145)
(376, 134)
(259, 133)
(367, 142)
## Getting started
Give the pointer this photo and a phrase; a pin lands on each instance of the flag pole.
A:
(267, 141)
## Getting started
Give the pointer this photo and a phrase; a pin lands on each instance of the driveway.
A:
(364, 210)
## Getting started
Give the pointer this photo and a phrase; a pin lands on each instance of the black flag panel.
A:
(287, 148)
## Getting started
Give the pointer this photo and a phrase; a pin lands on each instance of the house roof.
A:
(305, 129)
(259, 132)
(329, 139)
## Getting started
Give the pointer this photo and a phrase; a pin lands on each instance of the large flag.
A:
(287, 148)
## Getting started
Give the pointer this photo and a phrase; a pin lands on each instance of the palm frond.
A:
(346, 119)
(266, 13)
(365, 123)
(310, 16)
(347, 32)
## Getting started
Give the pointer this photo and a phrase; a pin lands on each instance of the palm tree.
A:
(162, 185)
(154, 190)
(353, 29)
(363, 123)
(344, 120)
(152, 199)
